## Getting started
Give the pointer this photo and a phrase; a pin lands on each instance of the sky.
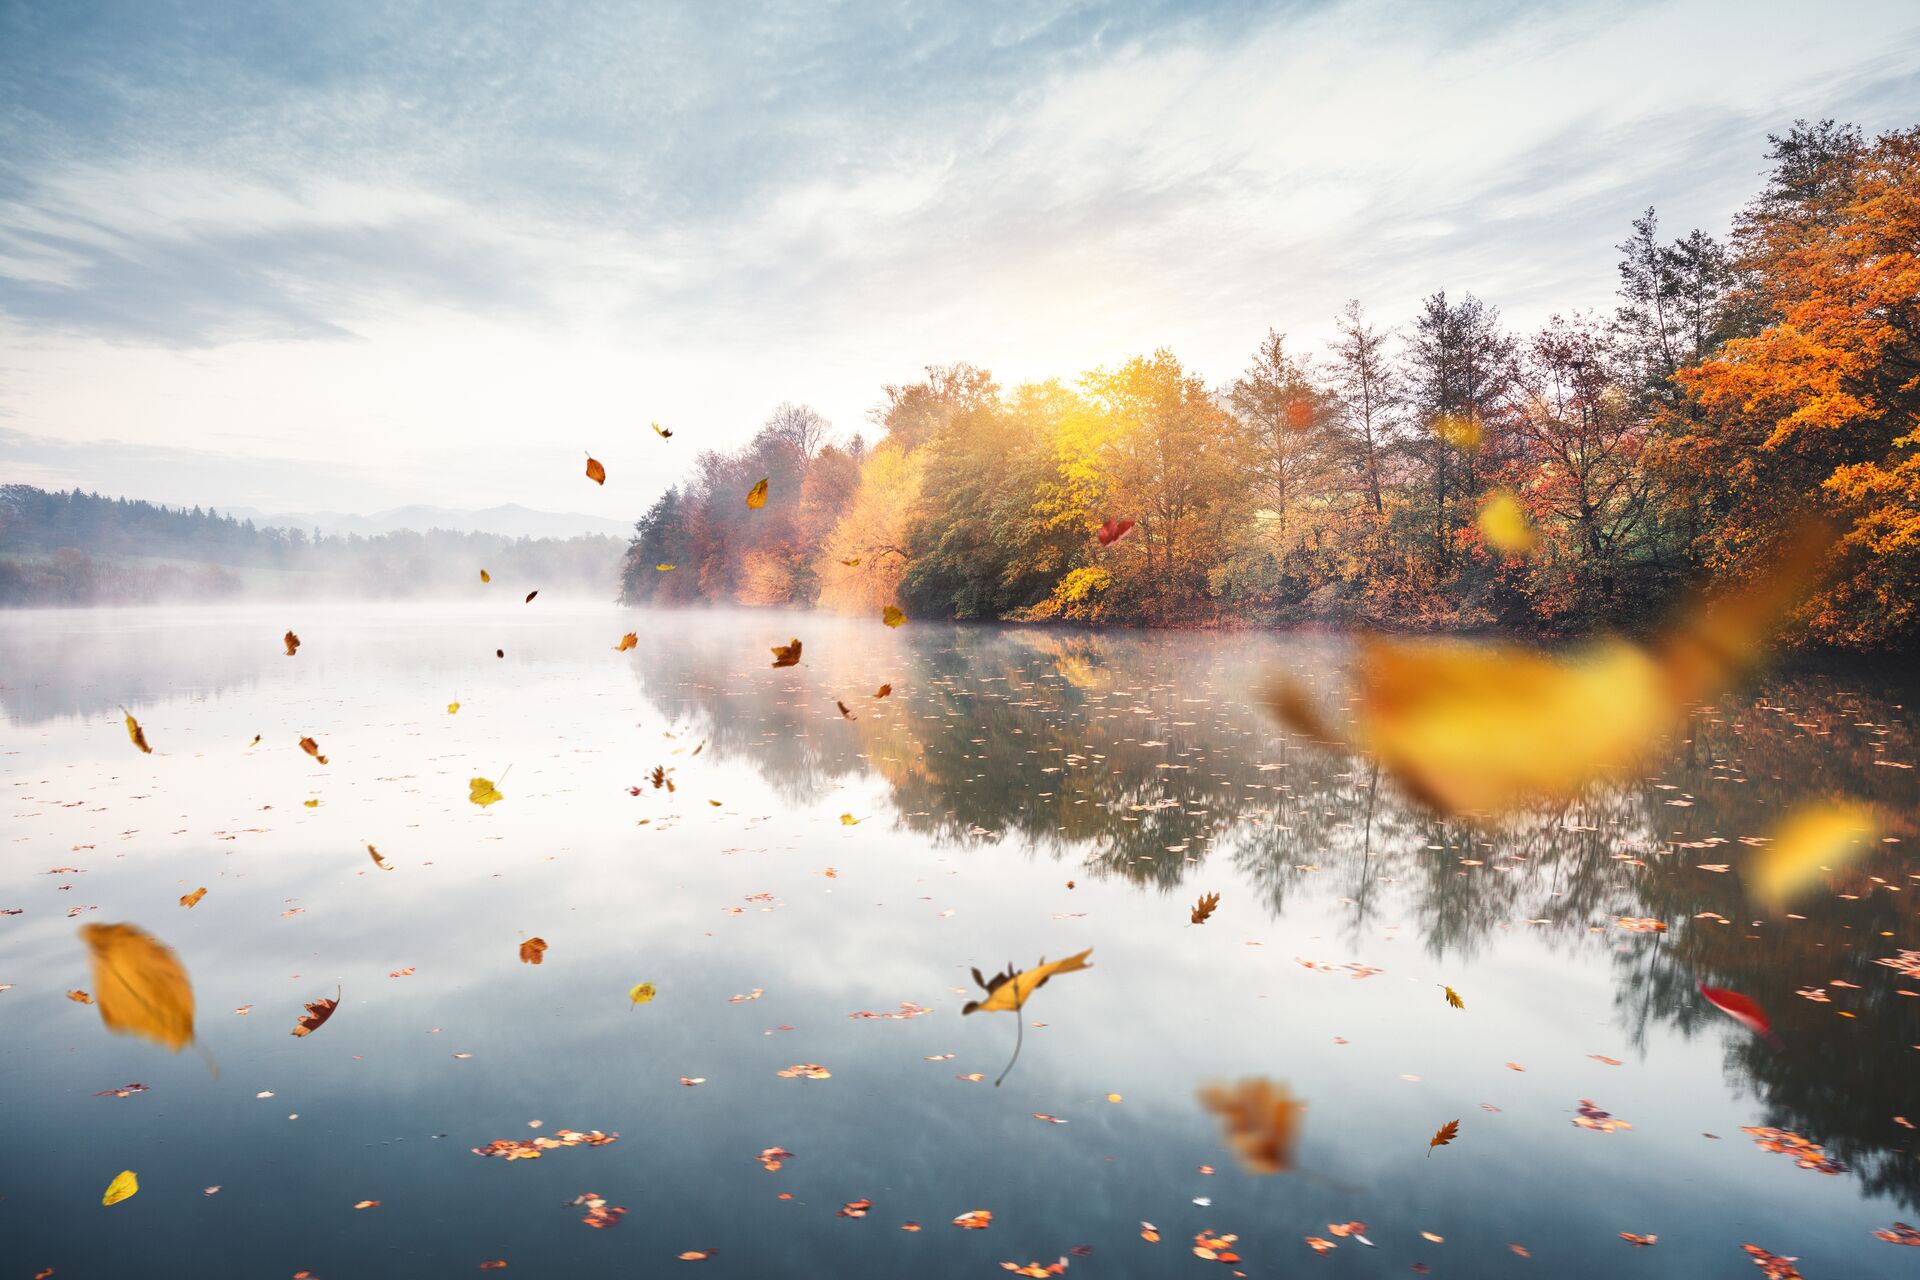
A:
(350, 256)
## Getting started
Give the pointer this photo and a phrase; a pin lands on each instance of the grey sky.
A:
(350, 255)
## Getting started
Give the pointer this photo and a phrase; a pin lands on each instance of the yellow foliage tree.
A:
(871, 533)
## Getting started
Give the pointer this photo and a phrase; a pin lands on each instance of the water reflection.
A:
(1142, 757)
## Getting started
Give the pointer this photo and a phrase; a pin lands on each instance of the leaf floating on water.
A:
(1812, 840)
(533, 951)
(292, 642)
(892, 615)
(124, 1184)
(137, 734)
(1204, 908)
(482, 792)
(883, 691)
(596, 472)
(311, 804)
(312, 748)
(1444, 1135)
(848, 820)
(193, 899)
(642, 993)
(378, 861)
(787, 655)
(1742, 1010)
(1008, 992)
(139, 985)
(1453, 997)
(316, 1016)
(1638, 1242)
(975, 1219)
(453, 708)
(1260, 1122)
(853, 563)
(757, 496)
(1112, 531)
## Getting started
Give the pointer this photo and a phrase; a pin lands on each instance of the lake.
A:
(812, 891)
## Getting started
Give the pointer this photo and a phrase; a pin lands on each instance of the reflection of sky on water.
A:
(1004, 764)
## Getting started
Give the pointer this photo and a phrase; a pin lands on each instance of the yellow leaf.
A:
(627, 642)
(139, 985)
(1204, 908)
(1503, 523)
(311, 804)
(1453, 997)
(757, 496)
(135, 732)
(664, 568)
(1009, 991)
(481, 792)
(292, 642)
(453, 708)
(124, 1184)
(596, 472)
(892, 616)
(485, 576)
(848, 820)
(641, 993)
(853, 563)
(1444, 1135)
(193, 899)
(1813, 839)
(1462, 431)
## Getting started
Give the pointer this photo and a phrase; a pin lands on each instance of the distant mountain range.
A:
(511, 521)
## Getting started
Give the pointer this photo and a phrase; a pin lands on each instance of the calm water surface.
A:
(1021, 794)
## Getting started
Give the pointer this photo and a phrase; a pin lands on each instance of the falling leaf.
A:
(255, 742)
(660, 779)
(853, 1209)
(845, 711)
(892, 616)
(124, 1184)
(1459, 430)
(641, 993)
(853, 563)
(193, 899)
(1810, 841)
(530, 596)
(698, 1255)
(378, 861)
(1453, 997)
(135, 732)
(533, 950)
(1638, 1242)
(883, 691)
(1503, 523)
(453, 708)
(664, 568)
(1008, 992)
(787, 655)
(596, 472)
(757, 496)
(139, 985)
(665, 433)
(1204, 908)
(80, 997)
(482, 792)
(1592, 1117)
(627, 642)
(1112, 531)
(311, 804)
(367, 1204)
(848, 820)
(499, 653)
(485, 576)
(318, 1011)
(1445, 1134)
(292, 642)
(312, 748)
(1260, 1122)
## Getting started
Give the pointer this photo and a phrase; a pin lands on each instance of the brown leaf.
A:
(845, 712)
(378, 861)
(312, 748)
(135, 732)
(193, 899)
(757, 496)
(530, 596)
(533, 950)
(485, 576)
(787, 655)
(1204, 908)
(139, 985)
(1444, 1135)
(883, 691)
(596, 472)
(316, 1015)
(1453, 997)
(1260, 1121)
(292, 642)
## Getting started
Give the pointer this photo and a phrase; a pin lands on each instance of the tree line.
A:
(1738, 388)
(77, 548)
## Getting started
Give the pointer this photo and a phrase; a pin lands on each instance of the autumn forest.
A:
(1433, 471)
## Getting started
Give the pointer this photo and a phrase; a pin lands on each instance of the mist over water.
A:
(1005, 764)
